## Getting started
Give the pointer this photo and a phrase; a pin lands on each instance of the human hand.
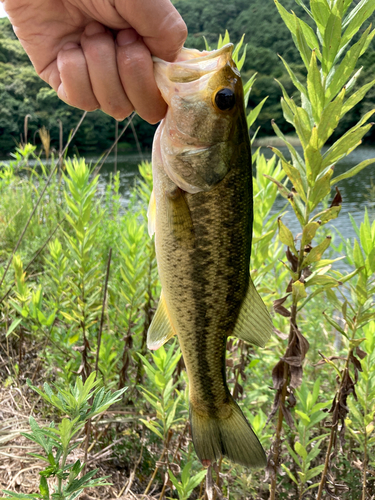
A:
(97, 53)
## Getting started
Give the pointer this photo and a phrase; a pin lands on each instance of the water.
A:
(356, 191)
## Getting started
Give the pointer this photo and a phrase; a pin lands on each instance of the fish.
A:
(201, 213)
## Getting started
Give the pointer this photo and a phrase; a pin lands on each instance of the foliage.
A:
(325, 98)
(74, 306)
(80, 403)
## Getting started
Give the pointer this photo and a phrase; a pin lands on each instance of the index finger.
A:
(159, 24)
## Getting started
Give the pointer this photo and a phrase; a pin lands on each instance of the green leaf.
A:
(13, 326)
(322, 280)
(303, 126)
(151, 425)
(331, 41)
(286, 17)
(302, 44)
(19, 495)
(328, 214)
(65, 429)
(197, 479)
(43, 488)
(356, 98)
(176, 484)
(310, 38)
(300, 449)
(317, 252)
(356, 18)
(286, 236)
(186, 472)
(305, 418)
(253, 115)
(295, 203)
(330, 119)
(290, 474)
(294, 79)
(335, 325)
(346, 67)
(296, 178)
(315, 88)
(282, 189)
(358, 255)
(299, 291)
(297, 160)
(314, 472)
(321, 12)
(353, 171)
(83, 482)
(309, 232)
(288, 114)
(321, 189)
(313, 157)
(343, 146)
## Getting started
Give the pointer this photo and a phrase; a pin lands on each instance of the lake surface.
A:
(356, 192)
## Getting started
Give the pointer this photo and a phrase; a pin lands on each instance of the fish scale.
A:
(201, 213)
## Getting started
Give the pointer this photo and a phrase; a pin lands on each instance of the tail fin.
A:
(231, 436)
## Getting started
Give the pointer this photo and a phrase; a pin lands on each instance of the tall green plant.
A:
(82, 304)
(330, 60)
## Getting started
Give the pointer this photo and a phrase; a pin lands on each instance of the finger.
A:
(158, 22)
(136, 71)
(75, 87)
(100, 54)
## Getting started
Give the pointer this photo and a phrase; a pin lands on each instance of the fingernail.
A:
(94, 29)
(70, 45)
(125, 37)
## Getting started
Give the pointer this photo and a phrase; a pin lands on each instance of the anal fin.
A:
(254, 323)
(161, 329)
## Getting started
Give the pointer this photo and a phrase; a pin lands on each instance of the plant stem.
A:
(335, 422)
(364, 469)
(63, 461)
(154, 474)
(279, 428)
(103, 309)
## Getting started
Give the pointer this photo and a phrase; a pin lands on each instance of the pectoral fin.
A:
(179, 218)
(161, 329)
(151, 215)
(254, 323)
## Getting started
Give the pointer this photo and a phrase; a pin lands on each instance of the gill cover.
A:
(204, 95)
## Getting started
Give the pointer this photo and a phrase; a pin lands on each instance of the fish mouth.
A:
(191, 66)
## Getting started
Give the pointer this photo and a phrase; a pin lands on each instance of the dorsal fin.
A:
(161, 329)
(151, 214)
(254, 323)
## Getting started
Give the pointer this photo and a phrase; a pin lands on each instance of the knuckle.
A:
(154, 118)
(99, 47)
(179, 32)
(70, 60)
(118, 111)
(131, 59)
(153, 115)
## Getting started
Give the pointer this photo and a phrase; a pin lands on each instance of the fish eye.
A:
(225, 99)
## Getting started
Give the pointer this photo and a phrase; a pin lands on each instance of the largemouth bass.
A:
(201, 214)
